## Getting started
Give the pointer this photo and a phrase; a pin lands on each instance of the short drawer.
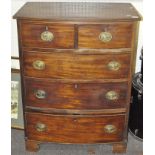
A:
(46, 35)
(75, 66)
(114, 35)
(74, 129)
(43, 93)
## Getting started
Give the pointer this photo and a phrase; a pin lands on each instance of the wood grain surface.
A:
(75, 66)
(74, 129)
(88, 35)
(31, 35)
(90, 96)
(76, 75)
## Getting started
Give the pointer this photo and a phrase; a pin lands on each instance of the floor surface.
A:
(135, 147)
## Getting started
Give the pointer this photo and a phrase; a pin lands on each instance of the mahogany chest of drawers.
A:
(77, 61)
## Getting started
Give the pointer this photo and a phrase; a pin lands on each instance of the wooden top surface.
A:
(78, 11)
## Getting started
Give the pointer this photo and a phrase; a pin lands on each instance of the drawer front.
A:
(105, 36)
(75, 66)
(74, 129)
(47, 94)
(45, 35)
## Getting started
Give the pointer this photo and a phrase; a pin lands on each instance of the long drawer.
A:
(74, 129)
(43, 93)
(75, 66)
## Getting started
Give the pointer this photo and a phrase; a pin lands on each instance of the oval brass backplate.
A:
(110, 128)
(40, 127)
(39, 65)
(47, 36)
(114, 65)
(40, 94)
(105, 37)
(112, 95)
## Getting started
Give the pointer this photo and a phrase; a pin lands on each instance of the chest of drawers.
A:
(77, 61)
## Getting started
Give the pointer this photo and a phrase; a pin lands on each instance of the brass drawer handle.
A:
(110, 128)
(40, 94)
(40, 127)
(39, 65)
(47, 35)
(114, 65)
(105, 37)
(112, 95)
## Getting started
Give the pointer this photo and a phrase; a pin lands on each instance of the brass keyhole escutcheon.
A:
(110, 128)
(112, 95)
(105, 37)
(39, 65)
(40, 127)
(114, 65)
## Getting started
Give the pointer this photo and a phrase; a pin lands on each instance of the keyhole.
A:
(46, 28)
(76, 86)
(75, 120)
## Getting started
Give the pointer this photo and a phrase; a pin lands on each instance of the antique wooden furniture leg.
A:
(119, 148)
(32, 145)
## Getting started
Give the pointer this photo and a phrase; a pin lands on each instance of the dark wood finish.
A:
(21, 74)
(31, 35)
(74, 129)
(76, 73)
(133, 62)
(75, 95)
(121, 35)
(78, 11)
(75, 111)
(119, 147)
(75, 66)
(76, 36)
(80, 51)
(32, 145)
